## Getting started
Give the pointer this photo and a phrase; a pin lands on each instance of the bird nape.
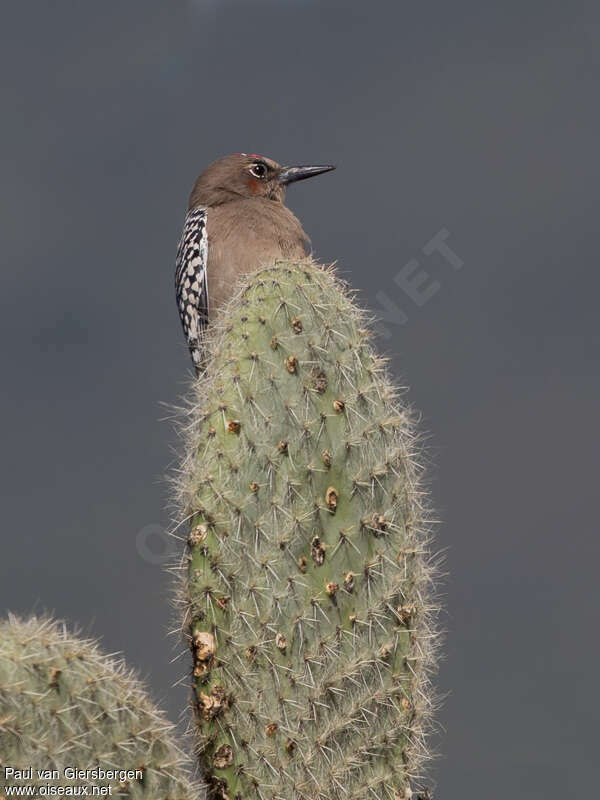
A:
(237, 222)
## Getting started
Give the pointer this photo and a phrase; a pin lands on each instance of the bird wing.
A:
(191, 286)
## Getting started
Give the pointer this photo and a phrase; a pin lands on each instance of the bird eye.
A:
(259, 170)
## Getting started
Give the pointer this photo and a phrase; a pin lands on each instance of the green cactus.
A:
(307, 579)
(66, 706)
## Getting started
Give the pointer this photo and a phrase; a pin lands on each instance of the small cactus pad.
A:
(307, 566)
(65, 706)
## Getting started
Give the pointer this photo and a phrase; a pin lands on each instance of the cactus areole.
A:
(307, 588)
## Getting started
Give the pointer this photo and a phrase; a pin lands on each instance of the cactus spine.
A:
(64, 705)
(307, 568)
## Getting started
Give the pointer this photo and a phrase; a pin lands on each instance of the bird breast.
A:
(245, 236)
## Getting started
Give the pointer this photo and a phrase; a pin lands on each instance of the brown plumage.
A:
(237, 223)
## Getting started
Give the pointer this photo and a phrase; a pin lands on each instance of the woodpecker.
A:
(236, 223)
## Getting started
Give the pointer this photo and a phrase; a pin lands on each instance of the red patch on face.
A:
(253, 185)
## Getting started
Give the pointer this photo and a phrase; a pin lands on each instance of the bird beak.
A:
(291, 174)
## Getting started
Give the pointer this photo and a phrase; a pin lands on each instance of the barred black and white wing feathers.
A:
(191, 287)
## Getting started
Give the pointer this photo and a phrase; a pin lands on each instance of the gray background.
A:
(479, 118)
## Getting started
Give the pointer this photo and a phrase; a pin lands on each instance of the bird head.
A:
(247, 176)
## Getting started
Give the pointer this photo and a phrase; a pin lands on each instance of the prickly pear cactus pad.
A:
(307, 563)
(71, 716)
